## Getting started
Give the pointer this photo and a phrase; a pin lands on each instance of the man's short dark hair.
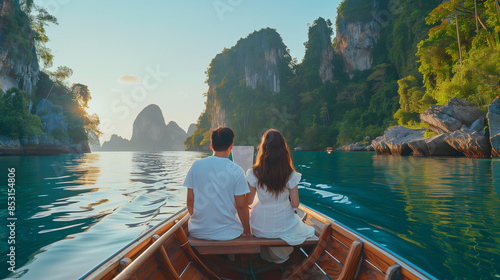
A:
(221, 138)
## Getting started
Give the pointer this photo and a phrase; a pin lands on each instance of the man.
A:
(216, 192)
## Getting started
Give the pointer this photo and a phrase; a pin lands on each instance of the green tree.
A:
(39, 19)
(412, 101)
(15, 120)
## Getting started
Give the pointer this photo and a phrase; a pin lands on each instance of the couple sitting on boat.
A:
(219, 195)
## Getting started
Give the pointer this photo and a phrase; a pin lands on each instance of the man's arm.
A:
(242, 208)
(190, 201)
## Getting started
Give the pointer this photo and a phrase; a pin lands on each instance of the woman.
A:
(275, 181)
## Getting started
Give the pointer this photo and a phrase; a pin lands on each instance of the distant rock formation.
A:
(115, 143)
(191, 129)
(150, 133)
(356, 40)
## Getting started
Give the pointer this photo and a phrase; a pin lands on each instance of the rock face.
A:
(433, 146)
(395, 141)
(18, 66)
(218, 115)
(470, 143)
(262, 46)
(380, 146)
(451, 116)
(150, 133)
(494, 124)
(52, 118)
(356, 40)
(255, 59)
(319, 51)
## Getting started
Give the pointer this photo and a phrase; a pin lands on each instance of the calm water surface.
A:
(442, 214)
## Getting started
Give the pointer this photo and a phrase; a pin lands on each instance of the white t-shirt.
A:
(215, 181)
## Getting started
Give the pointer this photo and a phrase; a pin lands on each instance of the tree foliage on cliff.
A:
(463, 63)
(25, 33)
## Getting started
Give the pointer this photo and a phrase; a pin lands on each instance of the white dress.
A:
(274, 217)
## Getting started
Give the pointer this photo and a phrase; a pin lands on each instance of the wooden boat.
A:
(336, 252)
(329, 150)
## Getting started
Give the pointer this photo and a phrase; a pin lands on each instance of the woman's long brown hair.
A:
(273, 165)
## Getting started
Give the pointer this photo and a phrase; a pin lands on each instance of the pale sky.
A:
(135, 53)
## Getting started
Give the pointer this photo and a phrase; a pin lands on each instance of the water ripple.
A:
(76, 210)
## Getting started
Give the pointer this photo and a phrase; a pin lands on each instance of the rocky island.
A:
(150, 133)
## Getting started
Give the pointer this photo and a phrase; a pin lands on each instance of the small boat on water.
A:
(329, 150)
(167, 252)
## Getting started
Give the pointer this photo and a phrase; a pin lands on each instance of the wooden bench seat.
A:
(240, 245)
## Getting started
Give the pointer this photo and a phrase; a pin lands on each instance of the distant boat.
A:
(298, 149)
(329, 150)
(336, 252)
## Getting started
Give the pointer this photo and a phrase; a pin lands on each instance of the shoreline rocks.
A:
(358, 146)
(433, 146)
(40, 146)
(470, 143)
(461, 132)
(451, 116)
(396, 139)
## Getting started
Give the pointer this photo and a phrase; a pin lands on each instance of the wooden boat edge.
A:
(144, 239)
(405, 264)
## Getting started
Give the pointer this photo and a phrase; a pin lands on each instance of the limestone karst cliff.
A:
(357, 35)
(150, 133)
(38, 116)
(319, 52)
(256, 59)
(18, 60)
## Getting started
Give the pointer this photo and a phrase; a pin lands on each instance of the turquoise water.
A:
(76, 210)
(442, 214)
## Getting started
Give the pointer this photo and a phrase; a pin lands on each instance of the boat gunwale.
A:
(404, 263)
(115, 258)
